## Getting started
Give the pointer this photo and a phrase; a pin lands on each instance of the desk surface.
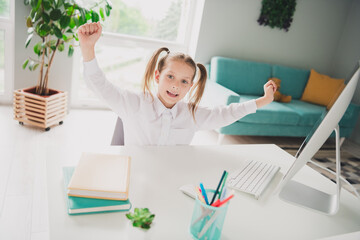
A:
(158, 172)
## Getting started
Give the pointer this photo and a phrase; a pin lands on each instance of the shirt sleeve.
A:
(221, 116)
(121, 101)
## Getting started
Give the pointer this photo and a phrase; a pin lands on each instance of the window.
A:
(6, 47)
(133, 31)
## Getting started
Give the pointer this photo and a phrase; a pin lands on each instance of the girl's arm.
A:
(221, 116)
(269, 90)
(120, 101)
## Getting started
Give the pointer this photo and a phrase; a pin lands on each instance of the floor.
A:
(23, 198)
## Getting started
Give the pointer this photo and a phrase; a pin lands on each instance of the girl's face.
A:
(174, 82)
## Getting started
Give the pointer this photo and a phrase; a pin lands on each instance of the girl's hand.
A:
(88, 35)
(269, 90)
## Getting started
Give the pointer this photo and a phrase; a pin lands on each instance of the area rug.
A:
(325, 157)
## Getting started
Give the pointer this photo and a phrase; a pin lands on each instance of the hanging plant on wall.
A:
(277, 13)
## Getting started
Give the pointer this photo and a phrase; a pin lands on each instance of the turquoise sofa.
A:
(234, 80)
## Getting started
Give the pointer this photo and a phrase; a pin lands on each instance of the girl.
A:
(162, 119)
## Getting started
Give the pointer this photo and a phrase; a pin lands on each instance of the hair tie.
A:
(168, 51)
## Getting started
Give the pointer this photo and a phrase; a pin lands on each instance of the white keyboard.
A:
(253, 177)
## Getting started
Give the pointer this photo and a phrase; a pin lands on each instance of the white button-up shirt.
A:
(148, 122)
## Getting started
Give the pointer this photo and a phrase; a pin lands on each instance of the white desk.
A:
(158, 172)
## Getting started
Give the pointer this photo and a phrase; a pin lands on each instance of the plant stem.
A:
(48, 69)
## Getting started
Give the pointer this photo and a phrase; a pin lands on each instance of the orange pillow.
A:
(321, 89)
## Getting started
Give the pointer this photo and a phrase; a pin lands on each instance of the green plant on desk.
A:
(141, 217)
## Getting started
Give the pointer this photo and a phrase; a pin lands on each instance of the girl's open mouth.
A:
(172, 94)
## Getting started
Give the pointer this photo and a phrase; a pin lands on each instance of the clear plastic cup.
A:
(207, 221)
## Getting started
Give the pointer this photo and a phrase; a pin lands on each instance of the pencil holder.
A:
(207, 221)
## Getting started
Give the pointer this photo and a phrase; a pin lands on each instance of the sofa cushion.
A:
(293, 80)
(309, 113)
(242, 77)
(273, 113)
(321, 89)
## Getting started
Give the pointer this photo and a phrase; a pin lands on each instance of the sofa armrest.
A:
(215, 95)
(350, 116)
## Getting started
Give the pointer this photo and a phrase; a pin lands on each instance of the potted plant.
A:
(55, 23)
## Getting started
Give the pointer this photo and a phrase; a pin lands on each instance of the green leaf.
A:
(29, 22)
(34, 3)
(61, 47)
(109, 4)
(69, 31)
(76, 37)
(71, 51)
(31, 65)
(26, 2)
(28, 40)
(64, 21)
(59, 3)
(46, 17)
(87, 15)
(107, 10)
(55, 14)
(137, 223)
(65, 38)
(30, 30)
(32, 13)
(94, 16)
(38, 4)
(44, 30)
(57, 32)
(76, 20)
(25, 63)
(83, 16)
(72, 23)
(137, 211)
(145, 226)
(101, 11)
(35, 66)
(128, 215)
(37, 16)
(46, 5)
(70, 11)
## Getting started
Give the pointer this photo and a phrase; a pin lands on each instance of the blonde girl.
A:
(162, 118)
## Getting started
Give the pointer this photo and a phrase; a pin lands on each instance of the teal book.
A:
(81, 205)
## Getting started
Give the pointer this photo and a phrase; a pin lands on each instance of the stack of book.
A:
(99, 183)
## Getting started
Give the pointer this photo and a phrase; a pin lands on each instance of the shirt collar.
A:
(160, 108)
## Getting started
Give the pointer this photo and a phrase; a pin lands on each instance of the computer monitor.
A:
(301, 194)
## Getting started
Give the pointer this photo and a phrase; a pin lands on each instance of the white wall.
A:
(229, 28)
(61, 69)
(348, 54)
(324, 35)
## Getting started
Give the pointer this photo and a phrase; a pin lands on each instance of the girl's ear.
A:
(157, 76)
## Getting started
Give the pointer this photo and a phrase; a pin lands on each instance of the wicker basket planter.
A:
(40, 111)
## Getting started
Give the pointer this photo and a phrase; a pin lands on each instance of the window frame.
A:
(7, 25)
(116, 39)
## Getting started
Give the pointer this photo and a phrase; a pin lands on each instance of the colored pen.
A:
(215, 203)
(217, 189)
(227, 199)
(200, 196)
(203, 192)
(223, 194)
(223, 185)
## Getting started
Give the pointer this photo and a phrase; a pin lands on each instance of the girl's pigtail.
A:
(199, 90)
(148, 78)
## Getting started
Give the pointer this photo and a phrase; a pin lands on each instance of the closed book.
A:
(103, 176)
(80, 205)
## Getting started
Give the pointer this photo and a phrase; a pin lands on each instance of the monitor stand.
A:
(308, 197)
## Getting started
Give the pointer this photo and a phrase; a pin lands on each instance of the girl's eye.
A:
(184, 81)
(171, 76)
